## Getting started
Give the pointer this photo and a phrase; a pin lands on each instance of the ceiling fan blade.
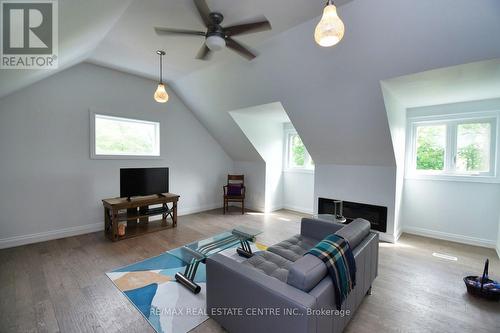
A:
(204, 11)
(248, 28)
(238, 48)
(168, 31)
(203, 53)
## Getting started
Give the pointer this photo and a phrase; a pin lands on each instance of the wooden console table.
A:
(137, 212)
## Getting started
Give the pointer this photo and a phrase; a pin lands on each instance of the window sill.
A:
(455, 178)
(124, 157)
(298, 170)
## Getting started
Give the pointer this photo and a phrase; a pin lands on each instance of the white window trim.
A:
(286, 163)
(95, 156)
(493, 117)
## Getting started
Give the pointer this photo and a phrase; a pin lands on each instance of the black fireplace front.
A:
(377, 215)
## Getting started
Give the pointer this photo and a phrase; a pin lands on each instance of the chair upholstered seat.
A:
(293, 248)
(234, 191)
(270, 264)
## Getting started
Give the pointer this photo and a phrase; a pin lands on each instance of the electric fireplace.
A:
(376, 215)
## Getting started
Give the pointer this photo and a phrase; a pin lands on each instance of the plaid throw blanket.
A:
(336, 253)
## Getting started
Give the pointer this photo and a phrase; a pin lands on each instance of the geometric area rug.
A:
(168, 306)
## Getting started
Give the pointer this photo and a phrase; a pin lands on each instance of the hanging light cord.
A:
(161, 68)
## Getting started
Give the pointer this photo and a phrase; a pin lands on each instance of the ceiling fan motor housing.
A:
(215, 40)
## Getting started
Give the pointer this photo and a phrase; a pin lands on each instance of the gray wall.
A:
(255, 183)
(49, 186)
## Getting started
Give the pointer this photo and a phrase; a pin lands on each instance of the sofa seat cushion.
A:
(293, 248)
(270, 264)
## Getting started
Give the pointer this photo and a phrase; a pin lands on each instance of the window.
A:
(452, 147)
(297, 157)
(115, 137)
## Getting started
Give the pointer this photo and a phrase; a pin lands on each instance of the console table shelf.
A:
(143, 214)
(136, 213)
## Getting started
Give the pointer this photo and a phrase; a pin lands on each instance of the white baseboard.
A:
(194, 210)
(386, 237)
(397, 234)
(450, 237)
(249, 207)
(49, 235)
(299, 209)
(79, 230)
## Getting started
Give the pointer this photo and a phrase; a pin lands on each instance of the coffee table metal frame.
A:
(193, 257)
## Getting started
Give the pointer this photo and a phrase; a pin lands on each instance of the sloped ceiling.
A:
(82, 25)
(132, 42)
(333, 95)
(468, 82)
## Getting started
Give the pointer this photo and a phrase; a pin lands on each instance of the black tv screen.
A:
(143, 181)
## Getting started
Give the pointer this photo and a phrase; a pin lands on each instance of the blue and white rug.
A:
(168, 306)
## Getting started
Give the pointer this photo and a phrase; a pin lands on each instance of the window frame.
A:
(452, 121)
(93, 155)
(288, 133)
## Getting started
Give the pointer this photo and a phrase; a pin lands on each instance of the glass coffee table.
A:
(197, 252)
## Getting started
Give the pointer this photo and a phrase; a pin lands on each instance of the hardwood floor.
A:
(60, 285)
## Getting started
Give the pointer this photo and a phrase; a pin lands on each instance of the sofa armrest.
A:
(306, 272)
(231, 285)
(317, 228)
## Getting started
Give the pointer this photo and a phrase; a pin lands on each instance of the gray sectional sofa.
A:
(283, 290)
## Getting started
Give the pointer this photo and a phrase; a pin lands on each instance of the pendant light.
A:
(161, 95)
(330, 28)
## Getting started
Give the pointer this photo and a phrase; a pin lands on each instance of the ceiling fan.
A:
(216, 36)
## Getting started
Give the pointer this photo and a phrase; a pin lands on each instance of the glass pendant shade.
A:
(161, 95)
(330, 28)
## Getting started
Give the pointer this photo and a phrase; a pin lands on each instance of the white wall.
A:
(267, 138)
(498, 237)
(49, 186)
(396, 118)
(366, 184)
(255, 183)
(459, 211)
(298, 191)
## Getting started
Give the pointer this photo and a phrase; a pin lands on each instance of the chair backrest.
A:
(236, 179)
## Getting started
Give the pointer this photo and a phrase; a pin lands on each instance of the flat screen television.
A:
(143, 181)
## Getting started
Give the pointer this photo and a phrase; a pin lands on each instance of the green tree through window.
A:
(298, 151)
(430, 147)
(473, 147)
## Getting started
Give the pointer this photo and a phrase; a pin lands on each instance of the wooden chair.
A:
(230, 195)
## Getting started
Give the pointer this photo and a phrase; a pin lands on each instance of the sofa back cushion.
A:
(355, 232)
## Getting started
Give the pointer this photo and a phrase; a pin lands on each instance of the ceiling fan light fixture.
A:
(161, 95)
(330, 29)
(215, 42)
